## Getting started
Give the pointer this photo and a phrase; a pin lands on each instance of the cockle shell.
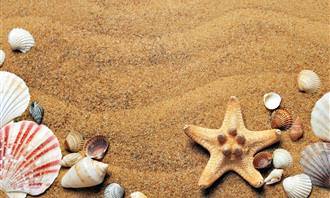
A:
(114, 191)
(74, 142)
(297, 130)
(320, 119)
(36, 112)
(96, 147)
(282, 158)
(85, 173)
(2, 57)
(298, 186)
(20, 39)
(262, 160)
(29, 159)
(274, 176)
(14, 97)
(272, 100)
(281, 119)
(315, 159)
(308, 81)
(138, 195)
(71, 159)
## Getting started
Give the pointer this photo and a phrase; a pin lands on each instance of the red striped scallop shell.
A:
(30, 157)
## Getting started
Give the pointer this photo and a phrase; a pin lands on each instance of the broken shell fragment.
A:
(262, 160)
(138, 195)
(281, 119)
(308, 81)
(36, 112)
(74, 142)
(114, 191)
(71, 159)
(272, 100)
(274, 176)
(96, 147)
(298, 186)
(296, 131)
(282, 158)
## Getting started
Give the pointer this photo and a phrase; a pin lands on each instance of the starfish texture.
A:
(232, 147)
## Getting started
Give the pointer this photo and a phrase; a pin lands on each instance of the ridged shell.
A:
(20, 39)
(29, 159)
(272, 100)
(2, 57)
(274, 176)
(297, 130)
(262, 160)
(138, 195)
(85, 173)
(282, 158)
(114, 191)
(74, 142)
(96, 147)
(298, 186)
(315, 160)
(320, 118)
(14, 97)
(308, 81)
(71, 159)
(281, 119)
(36, 112)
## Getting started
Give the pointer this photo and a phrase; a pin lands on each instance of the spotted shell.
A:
(36, 112)
(96, 147)
(74, 142)
(262, 160)
(281, 119)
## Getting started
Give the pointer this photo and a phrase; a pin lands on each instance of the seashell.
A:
(2, 57)
(14, 97)
(71, 159)
(320, 118)
(282, 158)
(297, 130)
(262, 160)
(16, 195)
(281, 119)
(272, 100)
(138, 195)
(85, 173)
(74, 142)
(30, 158)
(315, 160)
(298, 186)
(96, 147)
(308, 81)
(114, 191)
(274, 176)
(21, 40)
(36, 112)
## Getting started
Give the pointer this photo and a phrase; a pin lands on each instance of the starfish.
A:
(232, 147)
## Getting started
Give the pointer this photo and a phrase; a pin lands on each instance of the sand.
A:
(138, 71)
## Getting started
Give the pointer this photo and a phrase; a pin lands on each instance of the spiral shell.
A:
(272, 100)
(138, 195)
(2, 57)
(71, 159)
(308, 81)
(74, 142)
(298, 186)
(262, 160)
(274, 176)
(21, 40)
(297, 130)
(281, 119)
(282, 158)
(96, 147)
(114, 191)
(320, 118)
(36, 112)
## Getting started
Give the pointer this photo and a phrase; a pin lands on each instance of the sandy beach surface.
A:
(138, 71)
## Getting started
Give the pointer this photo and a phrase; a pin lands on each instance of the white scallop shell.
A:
(320, 119)
(298, 186)
(2, 57)
(114, 191)
(20, 39)
(308, 81)
(272, 100)
(85, 173)
(71, 159)
(29, 159)
(274, 176)
(138, 195)
(282, 158)
(14, 97)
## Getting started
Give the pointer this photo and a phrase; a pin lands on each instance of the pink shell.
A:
(96, 147)
(30, 157)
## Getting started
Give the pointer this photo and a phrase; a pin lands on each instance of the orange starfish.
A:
(232, 147)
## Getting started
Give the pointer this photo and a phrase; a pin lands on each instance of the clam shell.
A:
(274, 176)
(138, 195)
(14, 97)
(36, 112)
(71, 159)
(114, 191)
(282, 158)
(298, 186)
(85, 173)
(315, 160)
(281, 119)
(272, 100)
(21, 40)
(2, 57)
(262, 160)
(74, 142)
(308, 81)
(96, 147)
(297, 130)
(30, 158)
(320, 118)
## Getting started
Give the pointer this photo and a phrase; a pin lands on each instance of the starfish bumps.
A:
(232, 147)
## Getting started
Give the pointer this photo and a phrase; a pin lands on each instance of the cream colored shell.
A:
(74, 142)
(308, 81)
(320, 118)
(282, 158)
(21, 40)
(298, 186)
(71, 159)
(2, 57)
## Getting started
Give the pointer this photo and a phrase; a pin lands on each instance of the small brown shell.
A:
(96, 147)
(297, 130)
(281, 119)
(262, 160)
(74, 142)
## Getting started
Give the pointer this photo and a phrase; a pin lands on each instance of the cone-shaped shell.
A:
(114, 191)
(74, 142)
(2, 57)
(96, 147)
(21, 40)
(281, 119)
(71, 159)
(262, 160)
(36, 112)
(298, 186)
(138, 195)
(308, 81)
(297, 130)
(85, 173)
(282, 158)
(320, 119)
(272, 100)
(274, 176)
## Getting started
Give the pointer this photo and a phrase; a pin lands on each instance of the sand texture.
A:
(139, 70)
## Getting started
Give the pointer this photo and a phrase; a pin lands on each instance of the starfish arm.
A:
(247, 171)
(203, 136)
(233, 117)
(258, 140)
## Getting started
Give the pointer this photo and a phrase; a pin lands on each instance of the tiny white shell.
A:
(282, 158)
(320, 118)
(138, 195)
(274, 176)
(272, 100)
(20, 39)
(308, 81)
(2, 57)
(71, 159)
(298, 186)
(114, 191)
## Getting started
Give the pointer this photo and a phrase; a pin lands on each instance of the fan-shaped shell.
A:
(274, 176)
(2, 57)
(282, 158)
(96, 147)
(138, 195)
(320, 119)
(262, 160)
(71, 159)
(298, 186)
(114, 191)
(20, 39)
(74, 142)
(281, 119)
(315, 160)
(36, 112)
(272, 100)
(29, 159)
(308, 81)
(14, 97)
(297, 130)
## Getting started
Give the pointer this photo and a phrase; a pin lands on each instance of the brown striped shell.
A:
(96, 147)
(297, 130)
(74, 142)
(262, 160)
(281, 119)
